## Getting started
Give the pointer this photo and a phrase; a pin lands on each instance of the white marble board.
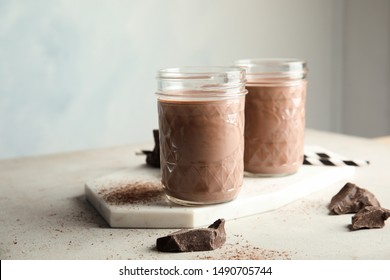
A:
(257, 195)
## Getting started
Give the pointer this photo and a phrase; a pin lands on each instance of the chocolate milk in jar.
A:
(274, 115)
(201, 124)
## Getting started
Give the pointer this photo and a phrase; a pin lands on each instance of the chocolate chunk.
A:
(351, 199)
(370, 217)
(203, 239)
(153, 157)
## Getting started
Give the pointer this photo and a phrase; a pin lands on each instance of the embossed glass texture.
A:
(201, 122)
(274, 116)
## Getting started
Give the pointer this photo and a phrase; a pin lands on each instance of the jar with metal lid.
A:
(201, 124)
(274, 115)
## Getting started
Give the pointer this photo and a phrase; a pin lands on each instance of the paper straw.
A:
(329, 161)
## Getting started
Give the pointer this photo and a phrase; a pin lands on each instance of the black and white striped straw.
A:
(327, 160)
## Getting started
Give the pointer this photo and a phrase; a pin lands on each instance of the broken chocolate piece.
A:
(203, 239)
(153, 157)
(370, 217)
(351, 199)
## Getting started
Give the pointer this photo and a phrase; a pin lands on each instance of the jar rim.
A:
(201, 72)
(268, 68)
(253, 62)
(197, 82)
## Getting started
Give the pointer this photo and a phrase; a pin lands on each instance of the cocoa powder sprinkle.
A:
(248, 252)
(137, 192)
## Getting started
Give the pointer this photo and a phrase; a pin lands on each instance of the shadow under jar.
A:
(201, 124)
(274, 115)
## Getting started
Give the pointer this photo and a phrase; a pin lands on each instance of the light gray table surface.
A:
(44, 213)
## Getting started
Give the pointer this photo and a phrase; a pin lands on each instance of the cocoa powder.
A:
(136, 192)
(247, 252)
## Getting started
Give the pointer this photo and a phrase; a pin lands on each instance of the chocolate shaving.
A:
(370, 217)
(153, 157)
(351, 199)
(203, 239)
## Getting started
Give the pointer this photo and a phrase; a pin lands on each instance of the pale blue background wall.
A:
(81, 74)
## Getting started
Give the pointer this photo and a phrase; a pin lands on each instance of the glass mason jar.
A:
(201, 124)
(274, 115)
